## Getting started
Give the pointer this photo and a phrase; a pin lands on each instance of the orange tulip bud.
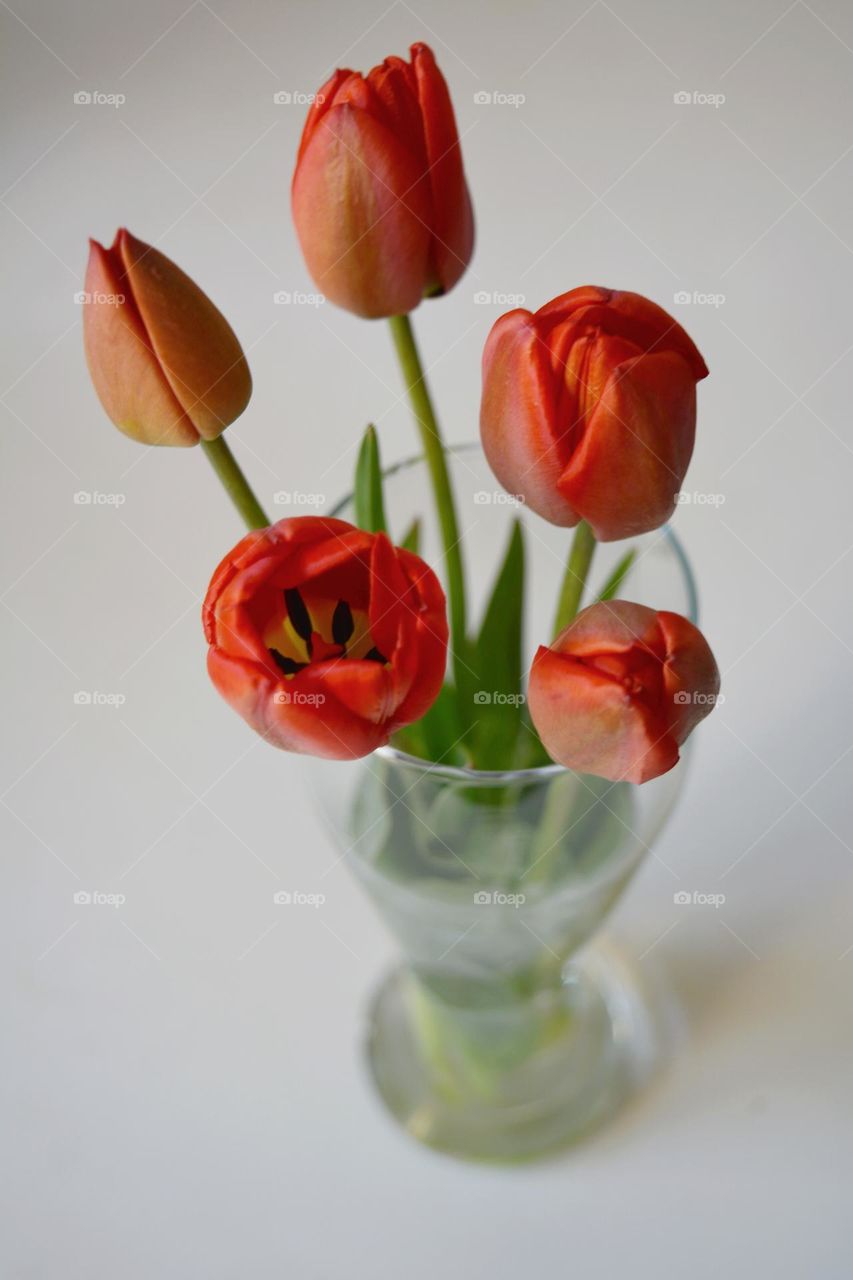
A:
(380, 202)
(589, 409)
(166, 365)
(620, 690)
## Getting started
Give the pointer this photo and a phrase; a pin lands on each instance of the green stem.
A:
(436, 460)
(580, 558)
(235, 483)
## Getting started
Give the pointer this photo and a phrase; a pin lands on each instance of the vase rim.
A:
(481, 777)
(500, 777)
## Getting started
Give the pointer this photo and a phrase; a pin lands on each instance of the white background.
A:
(182, 1090)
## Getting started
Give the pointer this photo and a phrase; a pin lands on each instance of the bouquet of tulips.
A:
(331, 638)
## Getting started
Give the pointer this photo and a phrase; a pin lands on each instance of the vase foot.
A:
(603, 1042)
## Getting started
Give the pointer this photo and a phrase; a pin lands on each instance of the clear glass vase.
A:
(502, 1035)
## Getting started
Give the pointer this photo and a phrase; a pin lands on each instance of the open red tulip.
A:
(589, 409)
(379, 197)
(325, 638)
(620, 690)
(166, 365)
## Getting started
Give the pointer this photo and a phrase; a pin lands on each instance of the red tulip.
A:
(620, 689)
(325, 638)
(589, 409)
(166, 364)
(380, 202)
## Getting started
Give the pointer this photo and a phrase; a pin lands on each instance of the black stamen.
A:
(375, 656)
(299, 615)
(342, 623)
(288, 665)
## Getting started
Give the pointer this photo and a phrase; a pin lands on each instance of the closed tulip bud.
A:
(325, 638)
(589, 409)
(166, 365)
(379, 197)
(620, 690)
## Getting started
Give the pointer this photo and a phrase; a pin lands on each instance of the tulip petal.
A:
(625, 475)
(327, 565)
(590, 723)
(569, 304)
(691, 676)
(396, 104)
(390, 608)
(518, 424)
(656, 329)
(362, 215)
(196, 347)
(420, 670)
(616, 626)
(452, 214)
(287, 714)
(324, 100)
(624, 314)
(363, 687)
(125, 371)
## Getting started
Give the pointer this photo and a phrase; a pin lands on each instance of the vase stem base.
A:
(462, 1090)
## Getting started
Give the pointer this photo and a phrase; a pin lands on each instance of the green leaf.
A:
(412, 537)
(437, 735)
(530, 753)
(368, 501)
(497, 660)
(442, 729)
(618, 576)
